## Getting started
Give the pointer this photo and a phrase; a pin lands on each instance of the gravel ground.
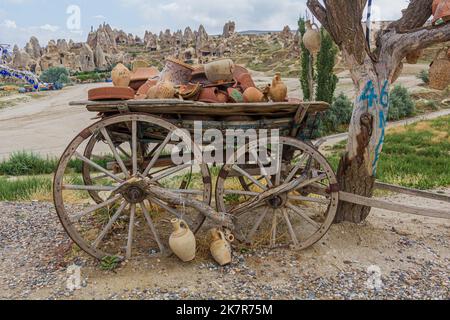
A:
(412, 255)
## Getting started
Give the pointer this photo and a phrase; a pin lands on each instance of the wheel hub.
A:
(134, 194)
(277, 202)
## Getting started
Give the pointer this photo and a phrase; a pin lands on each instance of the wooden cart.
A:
(123, 169)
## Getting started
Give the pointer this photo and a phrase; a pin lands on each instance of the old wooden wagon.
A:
(124, 165)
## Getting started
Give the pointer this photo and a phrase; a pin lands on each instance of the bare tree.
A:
(372, 72)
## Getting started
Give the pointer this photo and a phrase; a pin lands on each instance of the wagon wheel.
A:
(274, 211)
(126, 220)
(145, 151)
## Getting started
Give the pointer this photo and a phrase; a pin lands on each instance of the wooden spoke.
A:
(189, 191)
(310, 181)
(115, 153)
(88, 188)
(279, 164)
(290, 228)
(97, 207)
(157, 154)
(296, 168)
(246, 174)
(261, 166)
(108, 227)
(170, 172)
(134, 152)
(150, 223)
(96, 166)
(309, 199)
(131, 231)
(126, 154)
(273, 239)
(303, 215)
(172, 210)
(241, 193)
(255, 228)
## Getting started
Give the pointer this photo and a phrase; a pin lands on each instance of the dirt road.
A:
(45, 125)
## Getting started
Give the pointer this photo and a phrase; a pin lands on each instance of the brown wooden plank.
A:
(412, 192)
(390, 206)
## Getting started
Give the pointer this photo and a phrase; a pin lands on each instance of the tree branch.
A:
(415, 16)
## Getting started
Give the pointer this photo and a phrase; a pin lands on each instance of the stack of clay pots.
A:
(220, 81)
(439, 71)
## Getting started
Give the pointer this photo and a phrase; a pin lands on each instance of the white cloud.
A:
(9, 24)
(49, 27)
(100, 17)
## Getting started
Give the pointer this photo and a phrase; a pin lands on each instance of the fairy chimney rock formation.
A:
(33, 48)
(229, 29)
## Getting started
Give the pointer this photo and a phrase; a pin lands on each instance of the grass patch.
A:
(24, 188)
(415, 156)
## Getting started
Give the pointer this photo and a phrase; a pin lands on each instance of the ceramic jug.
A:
(220, 70)
(278, 90)
(220, 247)
(121, 76)
(182, 241)
(312, 39)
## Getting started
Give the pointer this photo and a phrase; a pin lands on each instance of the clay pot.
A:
(190, 91)
(441, 11)
(439, 74)
(413, 56)
(162, 90)
(146, 86)
(253, 95)
(176, 72)
(121, 76)
(245, 80)
(239, 70)
(278, 90)
(312, 38)
(220, 248)
(209, 95)
(182, 241)
(135, 85)
(111, 93)
(220, 71)
(144, 74)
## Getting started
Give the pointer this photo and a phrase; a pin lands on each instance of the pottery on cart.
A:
(176, 72)
(211, 95)
(245, 81)
(182, 241)
(441, 12)
(312, 38)
(235, 96)
(220, 71)
(162, 90)
(121, 76)
(190, 91)
(220, 247)
(253, 95)
(111, 93)
(278, 91)
(143, 90)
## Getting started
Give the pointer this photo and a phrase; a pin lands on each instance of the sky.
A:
(72, 19)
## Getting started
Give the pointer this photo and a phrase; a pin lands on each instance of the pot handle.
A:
(183, 223)
(315, 25)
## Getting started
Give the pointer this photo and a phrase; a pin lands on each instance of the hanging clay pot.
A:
(182, 241)
(439, 74)
(312, 38)
(413, 56)
(220, 71)
(176, 71)
(121, 76)
(278, 90)
(253, 95)
(220, 248)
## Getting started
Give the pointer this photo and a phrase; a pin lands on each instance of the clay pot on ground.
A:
(245, 80)
(253, 95)
(111, 93)
(176, 71)
(220, 71)
(439, 74)
(162, 90)
(312, 38)
(182, 241)
(278, 91)
(121, 76)
(414, 56)
(220, 247)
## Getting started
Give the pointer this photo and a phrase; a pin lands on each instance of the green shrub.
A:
(401, 104)
(55, 74)
(338, 116)
(424, 76)
(25, 163)
(23, 189)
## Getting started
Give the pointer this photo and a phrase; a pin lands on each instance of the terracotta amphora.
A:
(220, 247)
(182, 241)
(278, 90)
(121, 76)
(312, 38)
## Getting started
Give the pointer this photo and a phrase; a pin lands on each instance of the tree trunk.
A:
(358, 167)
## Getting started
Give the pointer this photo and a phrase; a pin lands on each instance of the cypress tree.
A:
(305, 56)
(326, 80)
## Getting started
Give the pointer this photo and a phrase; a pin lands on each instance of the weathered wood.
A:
(390, 206)
(412, 192)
